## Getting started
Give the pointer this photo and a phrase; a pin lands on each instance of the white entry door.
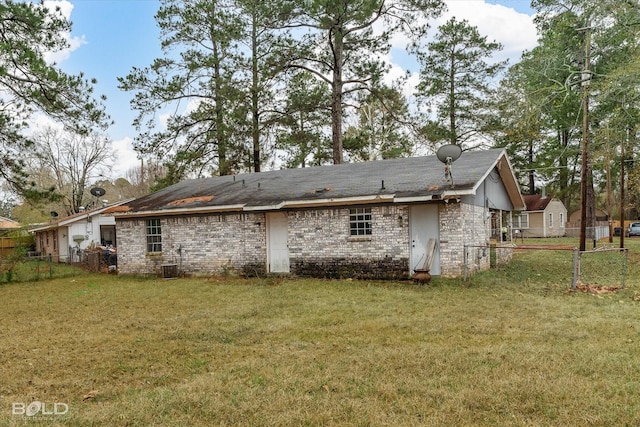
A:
(424, 225)
(277, 242)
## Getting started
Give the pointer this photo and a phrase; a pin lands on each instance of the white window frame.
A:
(360, 222)
(550, 219)
(517, 221)
(153, 232)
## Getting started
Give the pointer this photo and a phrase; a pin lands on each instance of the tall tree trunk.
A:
(301, 142)
(255, 125)
(223, 167)
(590, 205)
(220, 139)
(608, 175)
(453, 135)
(336, 97)
(563, 173)
(532, 181)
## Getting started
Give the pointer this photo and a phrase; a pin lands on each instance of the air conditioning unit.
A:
(169, 271)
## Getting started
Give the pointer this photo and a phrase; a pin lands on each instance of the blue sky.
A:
(109, 37)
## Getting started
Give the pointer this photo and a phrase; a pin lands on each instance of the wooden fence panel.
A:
(7, 245)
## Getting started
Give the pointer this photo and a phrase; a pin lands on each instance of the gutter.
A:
(360, 200)
(178, 211)
(386, 198)
(295, 204)
(445, 196)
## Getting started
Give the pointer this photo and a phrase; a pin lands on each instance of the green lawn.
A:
(509, 347)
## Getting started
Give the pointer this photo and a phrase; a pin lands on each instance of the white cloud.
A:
(66, 8)
(514, 30)
(40, 121)
(126, 157)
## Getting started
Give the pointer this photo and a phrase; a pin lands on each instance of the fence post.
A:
(493, 255)
(576, 268)
(626, 266)
(464, 263)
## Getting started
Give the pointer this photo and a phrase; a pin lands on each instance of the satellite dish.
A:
(449, 153)
(98, 192)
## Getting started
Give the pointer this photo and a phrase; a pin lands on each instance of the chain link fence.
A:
(32, 268)
(600, 268)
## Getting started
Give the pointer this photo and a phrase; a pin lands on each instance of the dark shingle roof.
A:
(535, 202)
(391, 179)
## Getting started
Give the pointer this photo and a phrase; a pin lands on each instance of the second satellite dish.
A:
(97, 191)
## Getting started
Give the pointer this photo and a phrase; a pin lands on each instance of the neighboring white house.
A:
(544, 217)
(61, 237)
(361, 220)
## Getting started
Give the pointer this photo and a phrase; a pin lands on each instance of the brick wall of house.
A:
(319, 243)
(47, 243)
(202, 244)
(463, 224)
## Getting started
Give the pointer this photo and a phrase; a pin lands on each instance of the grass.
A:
(509, 347)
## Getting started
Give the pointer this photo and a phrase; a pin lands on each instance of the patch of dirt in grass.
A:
(596, 289)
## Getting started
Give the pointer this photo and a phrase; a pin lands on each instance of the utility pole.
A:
(584, 172)
(608, 171)
(622, 231)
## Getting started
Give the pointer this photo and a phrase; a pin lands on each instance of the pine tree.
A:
(455, 82)
(30, 85)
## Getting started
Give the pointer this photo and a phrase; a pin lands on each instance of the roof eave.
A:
(342, 201)
(294, 204)
(78, 216)
(444, 196)
(180, 211)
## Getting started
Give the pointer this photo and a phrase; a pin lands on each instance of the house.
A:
(602, 218)
(600, 227)
(360, 220)
(544, 217)
(65, 237)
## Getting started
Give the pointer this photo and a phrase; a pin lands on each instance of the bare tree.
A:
(73, 161)
(144, 178)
